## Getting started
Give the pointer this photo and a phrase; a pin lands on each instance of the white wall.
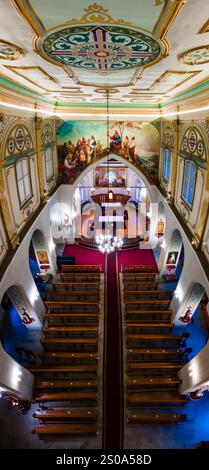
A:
(18, 273)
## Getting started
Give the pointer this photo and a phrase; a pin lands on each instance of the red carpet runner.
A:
(113, 382)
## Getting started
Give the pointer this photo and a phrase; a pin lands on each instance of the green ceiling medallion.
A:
(101, 48)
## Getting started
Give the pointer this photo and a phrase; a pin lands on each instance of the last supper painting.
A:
(82, 143)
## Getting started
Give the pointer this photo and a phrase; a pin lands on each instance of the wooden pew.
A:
(148, 315)
(63, 429)
(155, 418)
(66, 396)
(75, 415)
(79, 277)
(69, 306)
(150, 294)
(153, 368)
(73, 295)
(156, 339)
(156, 354)
(81, 268)
(140, 400)
(73, 344)
(140, 286)
(75, 286)
(153, 383)
(74, 331)
(91, 368)
(140, 327)
(151, 304)
(139, 277)
(59, 384)
(69, 357)
(77, 318)
(146, 268)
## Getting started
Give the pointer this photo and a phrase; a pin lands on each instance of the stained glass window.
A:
(166, 164)
(188, 188)
(23, 181)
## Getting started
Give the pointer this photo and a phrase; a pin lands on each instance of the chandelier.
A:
(107, 244)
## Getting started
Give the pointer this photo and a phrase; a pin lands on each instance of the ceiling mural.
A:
(101, 48)
(82, 48)
(196, 56)
(9, 51)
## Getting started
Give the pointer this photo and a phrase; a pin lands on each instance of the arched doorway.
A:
(19, 325)
(39, 262)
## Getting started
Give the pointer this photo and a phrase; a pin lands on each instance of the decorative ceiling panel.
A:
(104, 47)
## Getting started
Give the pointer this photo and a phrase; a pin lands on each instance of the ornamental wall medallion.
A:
(196, 56)
(100, 48)
(193, 144)
(9, 51)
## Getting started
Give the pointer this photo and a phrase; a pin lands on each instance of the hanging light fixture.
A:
(107, 244)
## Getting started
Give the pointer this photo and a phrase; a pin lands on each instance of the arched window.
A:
(23, 179)
(48, 155)
(189, 181)
(81, 189)
(166, 164)
(137, 196)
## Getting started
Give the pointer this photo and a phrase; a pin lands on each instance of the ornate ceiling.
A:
(142, 51)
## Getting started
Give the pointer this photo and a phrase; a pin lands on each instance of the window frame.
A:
(26, 201)
(191, 162)
(49, 178)
(165, 150)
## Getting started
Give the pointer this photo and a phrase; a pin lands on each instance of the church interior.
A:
(104, 224)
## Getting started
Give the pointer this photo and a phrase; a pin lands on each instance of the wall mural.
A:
(40, 250)
(109, 177)
(21, 305)
(192, 303)
(174, 252)
(81, 143)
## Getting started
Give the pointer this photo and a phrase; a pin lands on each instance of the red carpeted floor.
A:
(135, 257)
(113, 383)
(85, 255)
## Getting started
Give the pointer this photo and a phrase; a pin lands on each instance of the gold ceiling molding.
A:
(71, 74)
(204, 28)
(14, 52)
(20, 72)
(170, 72)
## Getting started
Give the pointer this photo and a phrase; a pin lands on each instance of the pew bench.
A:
(76, 415)
(70, 344)
(150, 315)
(134, 327)
(81, 268)
(150, 294)
(140, 400)
(147, 268)
(139, 286)
(153, 383)
(73, 295)
(66, 397)
(164, 339)
(70, 306)
(74, 344)
(141, 304)
(79, 277)
(75, 286)
(155, 368)
(76, 331)
(59, 384)
(174, 354)
(155, 418)
(63, 429)
(70, 318)
(69, 357)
